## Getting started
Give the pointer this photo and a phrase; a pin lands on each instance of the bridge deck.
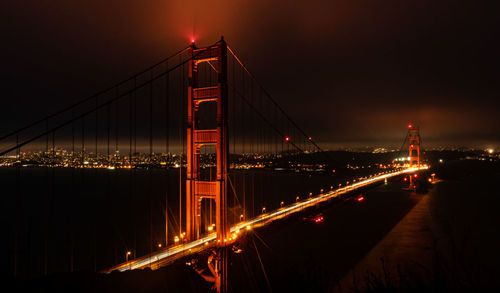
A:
(168, 255)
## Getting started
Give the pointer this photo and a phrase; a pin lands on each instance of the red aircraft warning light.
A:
(404, 179)
(360, 198)
(415, 175)
(287, 138)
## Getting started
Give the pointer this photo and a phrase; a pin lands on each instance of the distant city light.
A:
(402, 159)
(490, 151)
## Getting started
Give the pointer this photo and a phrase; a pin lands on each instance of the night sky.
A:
(351, 73)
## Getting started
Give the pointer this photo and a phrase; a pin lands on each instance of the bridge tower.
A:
(197, 189)
(414, 149)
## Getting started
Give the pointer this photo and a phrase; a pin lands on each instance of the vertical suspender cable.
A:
(234, 107)
(167, 151)
(83, 141)
(46, 202)
(181, 121)
(116, 127)
(130, 172)
(73, 228)
(95, 175)
(130, 118)
(108, 189)
(151, 164)
(96, 123)
(18, 216)
(135, 160)
(108, 114)
(52, 179)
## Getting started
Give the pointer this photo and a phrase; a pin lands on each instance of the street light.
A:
(282, 204)
(263, 209)
(127, 255)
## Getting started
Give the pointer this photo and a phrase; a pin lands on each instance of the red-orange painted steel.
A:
(414, 149)
(197, 189)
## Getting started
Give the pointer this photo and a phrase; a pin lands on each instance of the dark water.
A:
(61, 220)
(464, 209)
(294, 255)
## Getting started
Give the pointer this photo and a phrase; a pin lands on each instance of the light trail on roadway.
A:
(167, 255)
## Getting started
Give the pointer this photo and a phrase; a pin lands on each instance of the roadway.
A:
(162, 257)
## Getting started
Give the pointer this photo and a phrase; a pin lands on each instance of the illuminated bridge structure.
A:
(202, 121)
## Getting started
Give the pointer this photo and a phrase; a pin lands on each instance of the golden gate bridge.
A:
(202, 116)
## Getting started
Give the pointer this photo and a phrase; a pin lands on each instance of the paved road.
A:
(160, 258)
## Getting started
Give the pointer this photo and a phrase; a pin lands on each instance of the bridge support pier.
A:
(217, 269)
(221, 269)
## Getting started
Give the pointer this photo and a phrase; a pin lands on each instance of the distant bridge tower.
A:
(414, 149)
(197, 189)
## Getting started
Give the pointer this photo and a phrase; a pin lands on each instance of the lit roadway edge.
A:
(170, 254)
